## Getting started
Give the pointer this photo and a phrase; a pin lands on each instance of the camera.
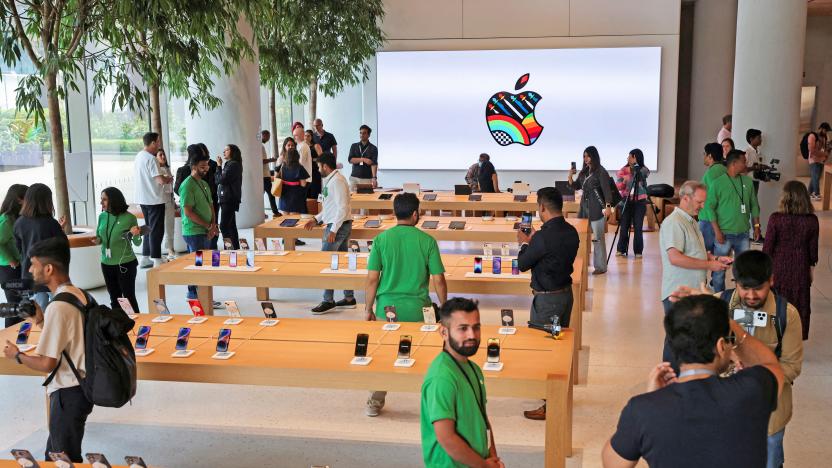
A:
(25, 308)
(767, 172)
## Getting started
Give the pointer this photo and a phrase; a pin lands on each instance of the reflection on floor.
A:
(177, 424)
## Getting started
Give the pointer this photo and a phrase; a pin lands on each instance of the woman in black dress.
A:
(315, 186)
(230, 189)
(293, 195)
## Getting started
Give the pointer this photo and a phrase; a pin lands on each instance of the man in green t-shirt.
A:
(403, 261)
(733, 203)
(198, 220)
(454, 420)
(713, 161)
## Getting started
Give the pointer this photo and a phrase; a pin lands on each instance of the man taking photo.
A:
(698, 419)
(62, 331)
(454, 420)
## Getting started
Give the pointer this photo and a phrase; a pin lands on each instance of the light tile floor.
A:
(177, 424)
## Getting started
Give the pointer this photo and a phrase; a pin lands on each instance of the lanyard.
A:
(325, 190)
(477, 395)
(690, 372)
(363, 150)
(109, 234)
(740, 193)
(207, 197)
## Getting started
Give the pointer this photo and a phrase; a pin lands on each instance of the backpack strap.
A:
(72, 299)
(726, 296)
(780, 323)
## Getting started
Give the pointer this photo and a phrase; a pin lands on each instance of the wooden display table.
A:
(43, 464)
(826, 183)
(447, 201)
(312, 353)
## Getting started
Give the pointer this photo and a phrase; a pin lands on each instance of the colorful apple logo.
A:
(510, 117)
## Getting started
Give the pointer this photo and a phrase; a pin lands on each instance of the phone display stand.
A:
(182, 353)
(233, 321)
(358, 254)
(493, 366)
(408, 362)
(223, 268)
(162, 319)
(361, 360)
(330, 271)
(223, 355)
(198, 320)
(429, 327)
(471, 274)
(144, 352)
(132, 316)
(25, 348)
(507, 330)
(391, 326)
(269, 322)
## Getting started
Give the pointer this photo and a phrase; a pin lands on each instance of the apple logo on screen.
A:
(510, 117)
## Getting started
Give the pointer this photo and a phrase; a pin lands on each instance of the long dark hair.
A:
(292, 159)
(37, 202)
(639, 155)
(285, 141)
(594, 160)
(195, 153)
(236, 154)
(11, 204)
(204, 150)
(116, 204)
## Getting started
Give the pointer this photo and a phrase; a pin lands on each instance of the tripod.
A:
(631, 194)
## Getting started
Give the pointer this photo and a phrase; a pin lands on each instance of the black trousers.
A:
(68, 411)
(154, 217)
(633, 216)
(547, 306)
(267, 187)
(228, 224)
(213, 243)
(121, 282)
(12, 297)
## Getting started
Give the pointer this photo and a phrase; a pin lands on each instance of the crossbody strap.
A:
(70, 298)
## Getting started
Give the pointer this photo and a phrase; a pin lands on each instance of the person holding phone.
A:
(230, 191)
(549, 254)
(117, 230)
(199, 220)
(596, 203)
(9, 254)
(170, 204)
(335, 216)
(453, 418)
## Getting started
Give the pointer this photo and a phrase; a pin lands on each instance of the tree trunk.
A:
(313, 101)
(273, 122)
(56, 139)
(155, 112)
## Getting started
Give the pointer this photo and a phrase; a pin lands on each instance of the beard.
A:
(466, 348)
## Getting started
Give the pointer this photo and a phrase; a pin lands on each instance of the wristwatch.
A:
(17, 357)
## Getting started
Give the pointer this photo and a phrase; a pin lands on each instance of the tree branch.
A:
(21, 33)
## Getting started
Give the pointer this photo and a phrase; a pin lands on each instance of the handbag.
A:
(277, 184)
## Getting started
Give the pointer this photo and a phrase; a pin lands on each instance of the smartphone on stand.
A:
(232, 259)
(198, 258)
(497, 265)
(515, 267)
(161, 307)
(333, 262)
(23, 333)
(142, 336)
(182, 338)
(224, 340)
(215, 258)
(250, 258)
(507, 317)
(404, 346)
(361, 343)
(98, 460)
(260, 243)
(477, 264)
(493, 350)
(268, 310)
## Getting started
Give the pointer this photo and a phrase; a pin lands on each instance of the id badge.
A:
(488, 435)
(325, 192)
(320, 198)
(108, 253)
(742, 208)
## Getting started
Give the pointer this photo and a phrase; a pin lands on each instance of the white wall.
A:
(817, 65)
(480, 24)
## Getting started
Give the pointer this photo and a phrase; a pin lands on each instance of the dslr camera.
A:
(767, 172)
(23, 309)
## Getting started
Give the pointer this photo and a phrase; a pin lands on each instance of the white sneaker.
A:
(373, 407)
(146, 263)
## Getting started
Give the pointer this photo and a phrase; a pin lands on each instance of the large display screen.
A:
(531, 109)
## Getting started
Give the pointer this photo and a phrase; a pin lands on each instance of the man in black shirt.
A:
(364, 159)
(487, 175)
(549, 253)
(699, 419)
(325, 139)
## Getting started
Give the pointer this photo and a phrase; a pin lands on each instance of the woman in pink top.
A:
(817, 158)
(634, 208)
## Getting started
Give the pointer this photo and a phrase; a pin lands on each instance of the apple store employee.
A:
(364, 159)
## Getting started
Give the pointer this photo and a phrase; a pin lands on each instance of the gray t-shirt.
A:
(680, 231)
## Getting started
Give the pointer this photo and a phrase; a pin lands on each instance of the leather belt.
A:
(556, 291)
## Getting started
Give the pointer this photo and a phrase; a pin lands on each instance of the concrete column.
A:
(712, 75)
(236, 121)
(768, 73)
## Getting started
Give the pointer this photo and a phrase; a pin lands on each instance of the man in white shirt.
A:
(725, 131)
(754, 138)
(151, 197)
(335, 192)
(265, 135)
(62, 331)
(305, 153)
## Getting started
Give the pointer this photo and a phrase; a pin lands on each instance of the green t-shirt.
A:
(406, 257)
(110, 230)
(196, 194)
(713, 172)
(726, 197)
(447, 395)
(8, 247)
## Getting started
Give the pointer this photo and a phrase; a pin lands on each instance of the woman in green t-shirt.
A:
(118, 262)
(9, 255)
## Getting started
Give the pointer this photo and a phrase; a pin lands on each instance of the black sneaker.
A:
(323, 308)
(346, 303)
(299, 242)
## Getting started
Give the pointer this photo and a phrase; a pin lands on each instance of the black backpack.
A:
(804, 144)
(109, 356)
(780, 319)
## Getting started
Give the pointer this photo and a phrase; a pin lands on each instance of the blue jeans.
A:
(739, 243)
(342, 238)
(194, 243)
(775, 450)
(599, 244)
(815, 174)
(707, 230)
